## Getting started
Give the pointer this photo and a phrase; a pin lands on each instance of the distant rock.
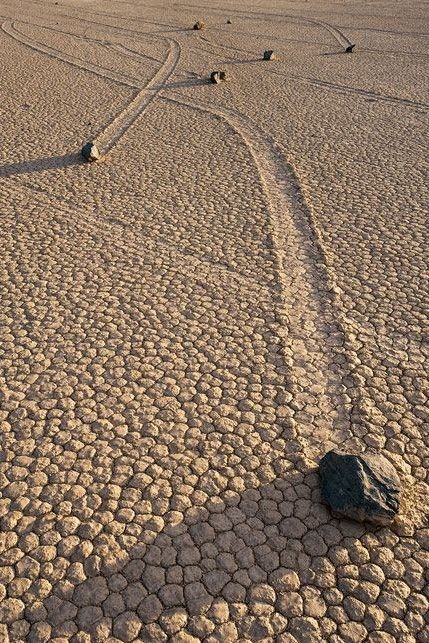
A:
(361, 487)
(200, 24)
(269, 55)
(349, 49)
(217, 76)
(90, 152)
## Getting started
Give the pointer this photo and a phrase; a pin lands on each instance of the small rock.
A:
(269, 55)
(200, 24)
(349, 49)
(90, 152)
(217, 76)
(360, 487)
(228, 22)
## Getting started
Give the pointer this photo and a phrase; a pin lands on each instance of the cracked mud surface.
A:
(188, 325)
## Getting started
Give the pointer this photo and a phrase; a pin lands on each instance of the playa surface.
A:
(239, 285)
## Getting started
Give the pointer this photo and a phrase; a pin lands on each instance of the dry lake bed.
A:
(237, 286)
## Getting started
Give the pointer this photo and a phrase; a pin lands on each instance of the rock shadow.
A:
(246, 61)
(189, 82)
(235, 565)
(40, 165)
(334, 53)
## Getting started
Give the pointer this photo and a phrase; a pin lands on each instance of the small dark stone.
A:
(269, 55)
(217, 76)
(349, 49)
(361, 487)
(90, 152)
(200, 24)
(228, 22)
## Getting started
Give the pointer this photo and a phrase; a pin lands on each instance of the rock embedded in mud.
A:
(362, 487)
(90, 152)
(200, 24)
(217, 76)
(269, 54)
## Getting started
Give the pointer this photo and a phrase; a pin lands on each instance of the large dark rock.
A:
(218, 77)
(269, 55)
(360, 487)
(90, 152)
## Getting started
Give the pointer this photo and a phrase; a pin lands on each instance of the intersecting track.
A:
(294, 237)
(113, 132)
(131, 53)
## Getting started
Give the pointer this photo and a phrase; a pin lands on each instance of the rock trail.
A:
(295, 240)
(115, 130)
(9, 27)
(189, 323)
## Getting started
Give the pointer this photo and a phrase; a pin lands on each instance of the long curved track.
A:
(190, 324)
(294, 234)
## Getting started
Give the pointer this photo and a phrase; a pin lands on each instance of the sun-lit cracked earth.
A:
(188, 325)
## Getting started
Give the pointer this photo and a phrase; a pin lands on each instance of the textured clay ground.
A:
(188, 325)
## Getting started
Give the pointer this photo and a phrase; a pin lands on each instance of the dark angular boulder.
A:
(217, 76)
(269, 55)
(90, 152)
(362, 487)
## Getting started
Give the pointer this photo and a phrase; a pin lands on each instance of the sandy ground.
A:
(188, 325)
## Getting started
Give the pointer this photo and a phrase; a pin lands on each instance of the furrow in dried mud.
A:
(306, 283)
(116, 129)
(9, 27)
